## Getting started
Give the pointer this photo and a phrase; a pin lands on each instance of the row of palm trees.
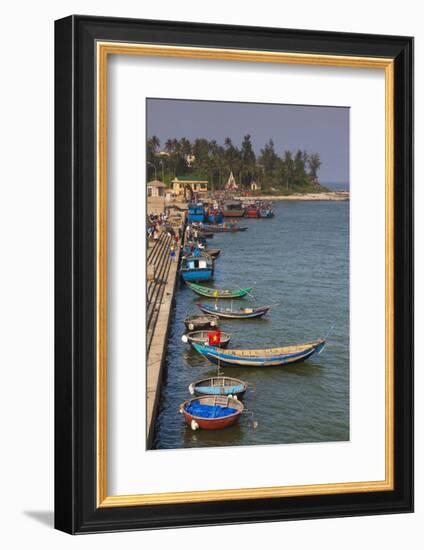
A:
(213, 161)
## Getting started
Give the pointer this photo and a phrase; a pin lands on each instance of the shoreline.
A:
(325, 196)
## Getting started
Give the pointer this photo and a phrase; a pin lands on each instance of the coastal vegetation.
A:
(276, 172)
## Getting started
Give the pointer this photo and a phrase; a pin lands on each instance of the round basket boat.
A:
(198, 322)
(219, 385)
(211, 412)
(202, 337)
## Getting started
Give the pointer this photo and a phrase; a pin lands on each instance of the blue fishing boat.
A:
(188, 249)
(266, 213)
(214, 216)
(270, 357)
(219, 385)
(230, 313)
(197, 266)
(196, 212)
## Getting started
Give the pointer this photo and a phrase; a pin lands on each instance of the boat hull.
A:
(214, 252)
(201, 322)
(212, 423)
(202, 337)
(197, 275)
(266, 214)
(219, 293)
(252, 214)
(219, 385)
(233, 213)
(229, 359)
(260, 312)
(215, 218)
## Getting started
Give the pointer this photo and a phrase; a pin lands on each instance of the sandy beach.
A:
(329, 196)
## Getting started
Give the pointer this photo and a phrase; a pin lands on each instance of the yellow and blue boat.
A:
(270, 357)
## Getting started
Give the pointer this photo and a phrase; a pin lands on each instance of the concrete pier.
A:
(161, 285)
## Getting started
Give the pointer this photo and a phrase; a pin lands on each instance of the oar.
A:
(248, 293)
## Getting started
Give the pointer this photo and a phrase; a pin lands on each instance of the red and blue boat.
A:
(211, 412)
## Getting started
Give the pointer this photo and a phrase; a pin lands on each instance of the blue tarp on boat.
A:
(209, 411)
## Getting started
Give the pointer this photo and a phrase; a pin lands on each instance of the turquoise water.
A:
(299, 262)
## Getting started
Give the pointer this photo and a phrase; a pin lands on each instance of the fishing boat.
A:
(214, 216)
(219, 293)
(198, 322)
(211, 412)
(271, 357)
(232, 209)
(205, 234)
(197, 267)
(252, 211)
(219, 385)
(196, 212)
(222, 228)
(214, 252)
(202, 337)
(266, 213)
(230, 313)
(196, 252)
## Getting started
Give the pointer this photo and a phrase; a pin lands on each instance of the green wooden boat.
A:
(218, 293)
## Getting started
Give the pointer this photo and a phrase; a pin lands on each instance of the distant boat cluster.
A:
(217, 401)
(218, 210)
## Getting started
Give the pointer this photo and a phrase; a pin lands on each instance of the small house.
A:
(155, 188)
(197, 184)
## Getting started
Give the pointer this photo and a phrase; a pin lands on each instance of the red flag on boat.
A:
(214, 337)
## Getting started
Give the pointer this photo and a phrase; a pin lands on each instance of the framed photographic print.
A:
(234, 274)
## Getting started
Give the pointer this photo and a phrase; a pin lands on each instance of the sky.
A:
(316, 129)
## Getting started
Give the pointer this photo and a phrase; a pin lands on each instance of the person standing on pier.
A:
(172, 251)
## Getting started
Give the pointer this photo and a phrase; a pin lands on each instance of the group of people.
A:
(155, 225)
(158, 224)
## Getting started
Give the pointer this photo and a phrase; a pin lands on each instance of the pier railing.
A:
(159, 259)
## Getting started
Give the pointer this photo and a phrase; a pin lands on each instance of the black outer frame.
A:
(75, 275)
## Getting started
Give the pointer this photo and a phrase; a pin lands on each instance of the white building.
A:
(155, 188)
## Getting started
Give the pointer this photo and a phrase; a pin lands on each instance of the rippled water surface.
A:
(299, 262)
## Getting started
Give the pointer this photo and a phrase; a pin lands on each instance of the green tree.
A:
(248, 160)
(314, 163)
(270, 161)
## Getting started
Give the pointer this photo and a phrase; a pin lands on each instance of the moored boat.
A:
(226, 227)
(214, 252)
(197, 267)
(230, 313)
(198, 322)
(218, 293)
(252, 211)
(266, 213)
(232, 209)
(211, 412)
(219, 385)
(196, 212)
(270, 357)
(205, 234)
(202, 337)
(214, 216)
